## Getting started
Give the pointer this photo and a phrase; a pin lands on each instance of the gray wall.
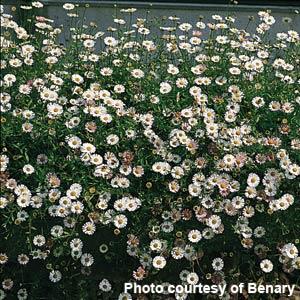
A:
(101, 12)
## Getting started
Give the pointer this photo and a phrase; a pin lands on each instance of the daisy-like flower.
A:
(89, 43)
(137, 73)
(106, 71)
(23, 259)
(235, 71)
(110, 41)
(125, 296)
(57, 231)
(119, 205)
(183, 275)
(74, 142)
(165, 88)
(159, 262)
(37, 4)
(217, 264)
(22, 294)
(7, 284)
(177, 253)
(145, 259)
(3, 202)
(3, 258)
(266, 265)
(258, 102)
(88, 228)
(156, 245)
(39, 240)
(174, 186)
(23, 200)
(192, 278)
(119, 88)
(76, 243)
(102, 204)
(259, 232)
(181, 83)
(194, 190)
(9, 79)
(250, 192)
(290, 250)
(229, 159)
(106, 118)
(49, 95)
(194, 236)
(120, 221)
(185, 26)
(294, 169)
(86, 259)
(55, 276)
(253, 180)
(28, 169)
(73, 194)
(88, 148)
(167, 227)
(296, 263)
(77, 207)
(112, 139)
(105, 285)
(68, 6)
(76, 78)
(214, 221)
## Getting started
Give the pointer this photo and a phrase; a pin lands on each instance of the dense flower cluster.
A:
(158, 157)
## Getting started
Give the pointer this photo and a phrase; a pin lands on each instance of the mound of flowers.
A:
(155, 151)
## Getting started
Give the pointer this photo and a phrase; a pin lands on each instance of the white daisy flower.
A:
(266, 265)
(120, 221)
(194, 236)
(218, 264)
(156, 245)
(253, 180)
(86, 259)
(105, 285)
(55, 276)
(159, 262)
(192, 278)
(28, 169)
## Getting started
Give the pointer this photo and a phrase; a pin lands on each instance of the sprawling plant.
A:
(156, 151)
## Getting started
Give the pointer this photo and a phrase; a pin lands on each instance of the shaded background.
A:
(286, 12)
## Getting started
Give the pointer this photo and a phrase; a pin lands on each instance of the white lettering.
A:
(291, 290)
(171, 289)
(251, 288)
(128, 286)
(234, 289)
(222, 289)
